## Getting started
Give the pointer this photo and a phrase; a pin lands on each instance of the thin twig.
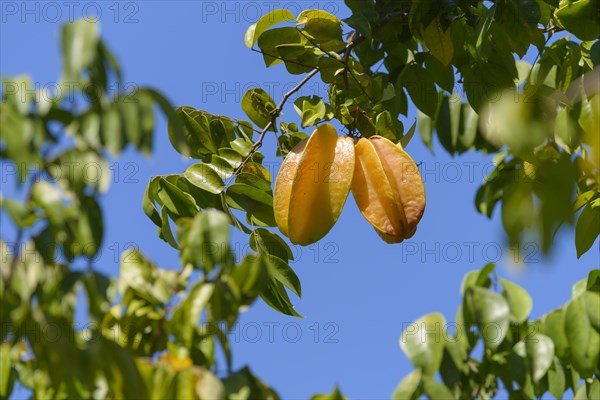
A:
(353, 42)
(349, 47)
(552, 29)
(274, 115)
(343, 61)
(537, 57)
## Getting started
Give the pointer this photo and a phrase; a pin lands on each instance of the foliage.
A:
(527, 359)
(157, 332)
(60, 144)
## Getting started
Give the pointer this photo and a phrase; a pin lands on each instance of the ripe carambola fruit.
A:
(388, 188)
(313, 184)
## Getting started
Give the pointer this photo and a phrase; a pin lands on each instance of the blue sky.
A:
(358, 291)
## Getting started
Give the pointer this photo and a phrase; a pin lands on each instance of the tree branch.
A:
(352, 43)
(274, 115)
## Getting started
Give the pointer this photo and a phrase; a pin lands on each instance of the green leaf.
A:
(408, 135)
(358, 6)
(420, 87)
(315, 14)
(468, 130)
(209, 386)
(75, 170)
(556, 379)
(282, 272)
(144, 278)
(111, 132)
(186, 314)
(244, 196)
(579, 17)
(122, 375)
(335, 395)
(448, 124)
(179, 203)
(442, 74)
(519, 300)
(436, 390)
(150, 196)
(593, 390)
(361, 24)
(242, 146)
(205, 177)
(583, 199)
(176, 131)
(540, 355)
(587, 229)
(578, 288)
(79, 41)
(388, 127)
(299, 57)
(258, 170)
(592, 303)
(408, 386)
(258, 106)
(165, 230)
(50, 199)
(438, 41)
(425, 125)
(7, 371)
(422, 342)
(243, 385)
(580, 393)
(584, 341)
(221, 166)
(484, 80)
(365, 125)
(251, 276)
(225, 303)
(263, 240)
(593, 281)
(22, 215)
(491, 312)
(198, 133)
(420, 14)
(204, 240)
(253, 180)
(477, 278)
(231, 156)
(271, 39)
(276, 297)
(554, 327)
(257, 203)
(265, 22)
(484, 28)
(323, 28)
(455, 356)
(312, 109)
(590, 53)
(129, 108)
(90, 226)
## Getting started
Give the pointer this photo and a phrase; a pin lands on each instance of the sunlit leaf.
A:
(265, 22)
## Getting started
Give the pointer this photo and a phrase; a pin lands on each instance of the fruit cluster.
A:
(317, 175)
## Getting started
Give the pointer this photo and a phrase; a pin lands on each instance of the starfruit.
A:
(312, 185)
(388, 188)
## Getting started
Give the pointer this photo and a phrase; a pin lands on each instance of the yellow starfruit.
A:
(312, 185)
(388, 188)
